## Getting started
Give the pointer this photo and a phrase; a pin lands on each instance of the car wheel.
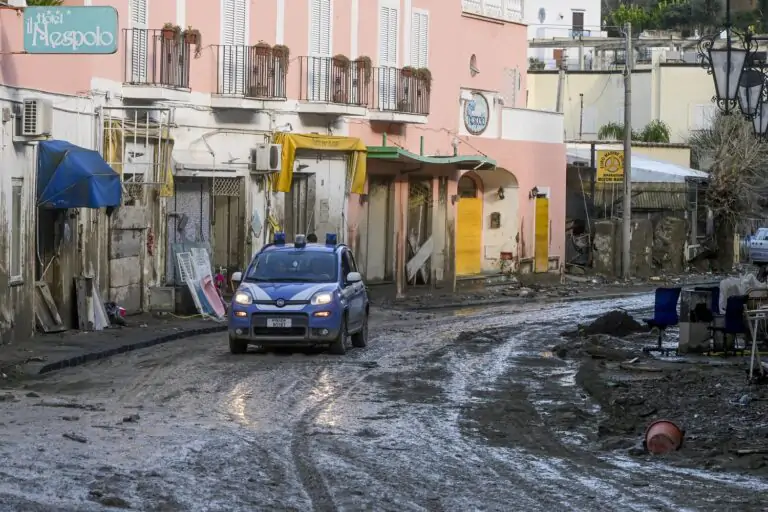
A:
(360, 338)
(237, 346)
(339, 345)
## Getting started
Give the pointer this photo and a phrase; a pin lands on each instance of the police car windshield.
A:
(294, 267)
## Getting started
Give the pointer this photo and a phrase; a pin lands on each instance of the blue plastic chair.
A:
(664, 314)
(734, 320)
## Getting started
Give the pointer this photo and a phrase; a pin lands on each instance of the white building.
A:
(549, 19)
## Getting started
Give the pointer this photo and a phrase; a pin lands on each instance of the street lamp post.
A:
(740, 85)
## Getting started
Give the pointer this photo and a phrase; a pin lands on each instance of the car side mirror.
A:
(237, 276)
(354, 277)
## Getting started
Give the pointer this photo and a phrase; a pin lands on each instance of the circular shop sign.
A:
(613, 164)
(476, 114)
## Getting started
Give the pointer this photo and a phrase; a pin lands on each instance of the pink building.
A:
(457, 177)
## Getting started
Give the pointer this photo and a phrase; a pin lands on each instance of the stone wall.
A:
(653, 249)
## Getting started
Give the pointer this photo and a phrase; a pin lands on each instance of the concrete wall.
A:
(679, 154)
(656, 94)
(654, 249)
(602, 101)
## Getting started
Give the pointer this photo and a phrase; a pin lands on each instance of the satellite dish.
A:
(542, 14)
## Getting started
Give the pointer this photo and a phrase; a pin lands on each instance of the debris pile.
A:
(617, 323)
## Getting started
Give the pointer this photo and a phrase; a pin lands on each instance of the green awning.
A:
(464, 162)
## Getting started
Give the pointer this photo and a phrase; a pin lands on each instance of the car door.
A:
(758, 247)
(353, 291)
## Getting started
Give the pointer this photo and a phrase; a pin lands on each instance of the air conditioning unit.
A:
(36, 118)
(266, 158)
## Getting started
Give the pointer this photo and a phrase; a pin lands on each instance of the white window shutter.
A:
(320, 28)
(419, 39)
(494, 8)
(139, 40)
(388, 75)
(318, 65)
(234, 37)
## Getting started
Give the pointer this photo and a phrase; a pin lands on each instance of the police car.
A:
(300, 294)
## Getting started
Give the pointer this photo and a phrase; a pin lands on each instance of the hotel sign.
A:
(70, 30)
(476, 113)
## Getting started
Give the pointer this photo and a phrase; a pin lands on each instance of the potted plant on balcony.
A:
(424, 78)
(282, 55)
(341, 74)
(407, 72)
(171, 32)
(341, 61)
(262, 48)
(192, 36)
(364, 68)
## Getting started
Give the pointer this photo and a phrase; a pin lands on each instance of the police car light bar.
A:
(300, 241)
(279, 238)
(330, 239)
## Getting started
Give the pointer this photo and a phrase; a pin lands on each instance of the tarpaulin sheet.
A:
(69, 176)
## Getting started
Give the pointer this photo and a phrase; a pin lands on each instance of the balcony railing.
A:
(401, 91)
(151, 59)
(507, 10)
(250, 72)
(327, 80)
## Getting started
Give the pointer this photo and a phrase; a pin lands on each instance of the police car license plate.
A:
(281, 323)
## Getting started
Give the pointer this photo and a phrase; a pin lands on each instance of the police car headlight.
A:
(322, 298)
(243, 298)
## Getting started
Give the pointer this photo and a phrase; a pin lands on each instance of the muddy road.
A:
(462, 410)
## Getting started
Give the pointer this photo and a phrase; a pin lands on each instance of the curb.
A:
(128, 347)
(514, 300)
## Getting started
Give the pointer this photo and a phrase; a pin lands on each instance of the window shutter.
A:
(320, 28)
(319, 49)
(139, 40)
(419, 39)
(234, 37)
(388, 78)
(388, 21)
(494, 8)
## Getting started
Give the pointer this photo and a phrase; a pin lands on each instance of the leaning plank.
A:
(421, 257)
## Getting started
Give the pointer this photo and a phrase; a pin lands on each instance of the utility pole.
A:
(626, 232)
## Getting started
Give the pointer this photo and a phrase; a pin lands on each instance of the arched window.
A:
(467, 187)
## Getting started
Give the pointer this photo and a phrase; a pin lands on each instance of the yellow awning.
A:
(292, 142)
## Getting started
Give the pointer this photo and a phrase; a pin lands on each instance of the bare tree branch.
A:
(738, 167)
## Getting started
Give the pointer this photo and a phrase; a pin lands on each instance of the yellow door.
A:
(541, 235)
(469, 230)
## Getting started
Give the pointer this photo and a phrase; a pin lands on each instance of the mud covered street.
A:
(456, 410)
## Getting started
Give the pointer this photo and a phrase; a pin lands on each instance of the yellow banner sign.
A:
(610, 166)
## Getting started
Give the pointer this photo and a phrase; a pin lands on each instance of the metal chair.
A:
(664, 315)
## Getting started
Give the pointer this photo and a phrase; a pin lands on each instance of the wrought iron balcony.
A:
(154, 60)
(329, 80)
(404, 91)
(249, 72)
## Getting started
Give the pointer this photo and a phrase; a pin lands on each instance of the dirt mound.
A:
(724, 419)
(616, 323)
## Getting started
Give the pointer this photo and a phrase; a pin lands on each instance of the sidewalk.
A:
(49, 352)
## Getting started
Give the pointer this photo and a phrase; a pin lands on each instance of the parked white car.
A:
(758, 247)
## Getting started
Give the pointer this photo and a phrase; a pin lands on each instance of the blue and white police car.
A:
(300, 294)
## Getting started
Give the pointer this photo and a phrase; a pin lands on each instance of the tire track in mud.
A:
(311, 478)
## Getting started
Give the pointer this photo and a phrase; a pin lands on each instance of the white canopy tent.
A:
(644, 169)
